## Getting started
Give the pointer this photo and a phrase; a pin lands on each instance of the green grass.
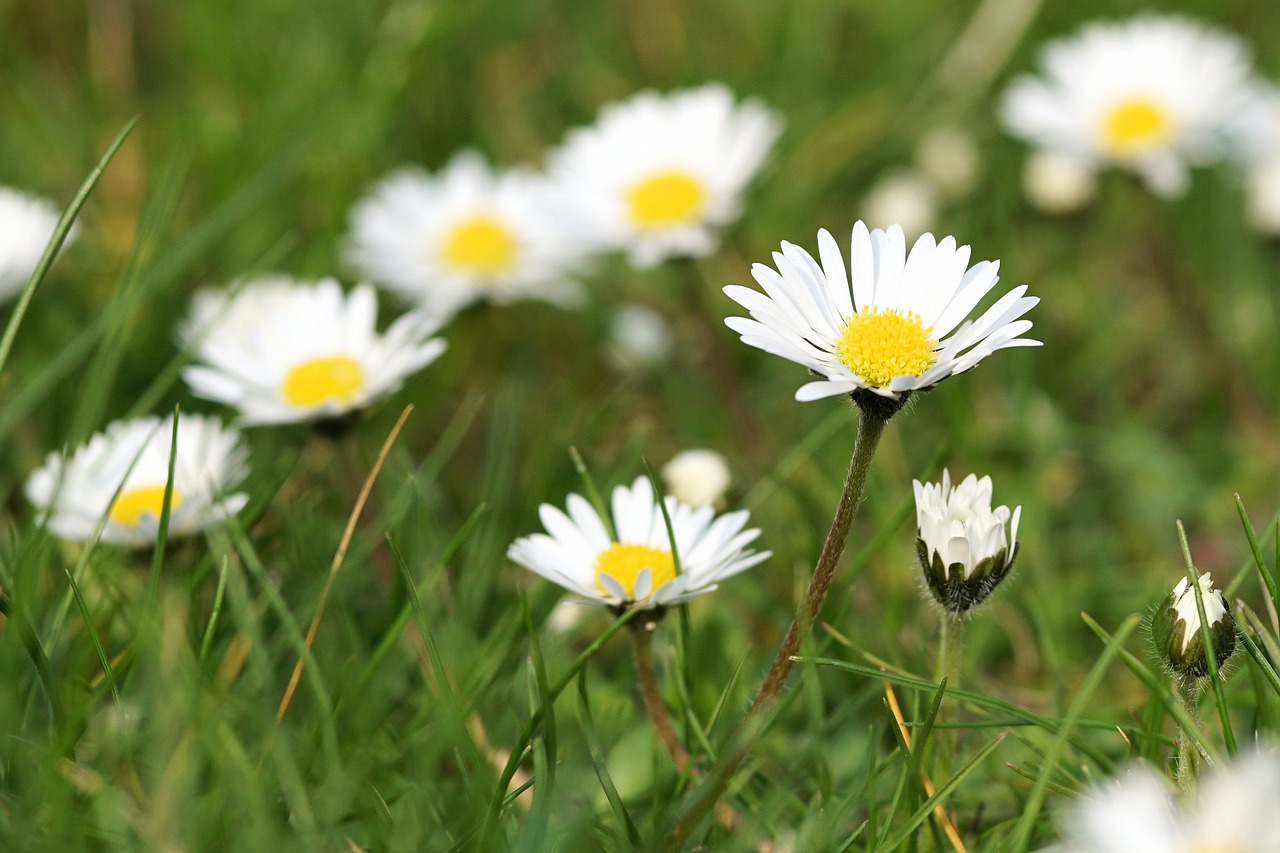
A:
(143, 716)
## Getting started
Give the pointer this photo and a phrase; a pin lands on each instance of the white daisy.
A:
(1154, 94)
(1232, 811)
(74, 492)
(578, 553)
(962, 544)
(656, 174)
(881, 324)
(465, 234)
(282, 351)
(26, 226)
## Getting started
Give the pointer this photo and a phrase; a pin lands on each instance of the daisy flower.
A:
(637, 566)
(888, 324)
(282, 351)
(26, 226)
(1155, 95)
(657, 174)
(74, 492)
(1233, 811)
(466, 234)
(962, 544)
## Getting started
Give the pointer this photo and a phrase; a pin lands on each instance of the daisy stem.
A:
(872, 419)
(871, 426)
(1188, 691)
(950, 652)
(642, 633)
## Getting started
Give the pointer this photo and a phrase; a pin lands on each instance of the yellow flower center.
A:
(666, 199)
(624, 563)
(481, 245)
(337, 378)
(878, 345)
(133, 504)
(1134, 127)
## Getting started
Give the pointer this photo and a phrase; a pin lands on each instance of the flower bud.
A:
(697, 477)
(1176, 628)
(962, 544)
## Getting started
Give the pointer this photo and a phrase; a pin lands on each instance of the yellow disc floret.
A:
(1135, 126)
(624, 563)
(665, 200)
(878, 345)
(480, 245)
(335, 379)
(134, 504)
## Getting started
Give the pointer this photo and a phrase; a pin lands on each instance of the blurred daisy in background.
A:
(1154, 95)
(657, 174)
(887, 323)
(466, 234)
(1058, 183)
(1232, 811)
(26, 225)
(578, 553)
(281, 351)
(74, 492)
(639, 337)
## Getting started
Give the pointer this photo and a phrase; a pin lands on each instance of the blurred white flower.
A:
(1058, 183)
(74, 492)
(26, 225)
(906, 198)
(282, 351)
(657, 174)
(880, 324)
(1263, 194)
(962, 545)
(697, 477)
(1175, 627)
(465, 234)
(1154, 94)
(637, 566)
(638, 337)
(1232, 811)
(949, 158)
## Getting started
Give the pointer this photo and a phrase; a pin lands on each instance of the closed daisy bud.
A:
(1058, 183)
(963, 547)
(907, 198)
(637, 567)
(1175, 627)
(697, 477)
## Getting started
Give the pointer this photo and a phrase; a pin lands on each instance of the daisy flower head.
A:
(465, 234)
(1231, 811)
(26, 226)
(962, 542)
(637, 566)
(887, 324)
(282, 351)
(657, 174)
(1154, 94)
(1175, 627)
(73, 492)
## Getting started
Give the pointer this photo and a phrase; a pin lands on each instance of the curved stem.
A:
(653, 703)
(1188, 691)
(871, 423)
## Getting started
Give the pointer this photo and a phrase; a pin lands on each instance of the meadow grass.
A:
(142, 703)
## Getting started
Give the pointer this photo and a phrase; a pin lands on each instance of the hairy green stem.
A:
(647, 678)
(873, 416)
(1188, 691)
